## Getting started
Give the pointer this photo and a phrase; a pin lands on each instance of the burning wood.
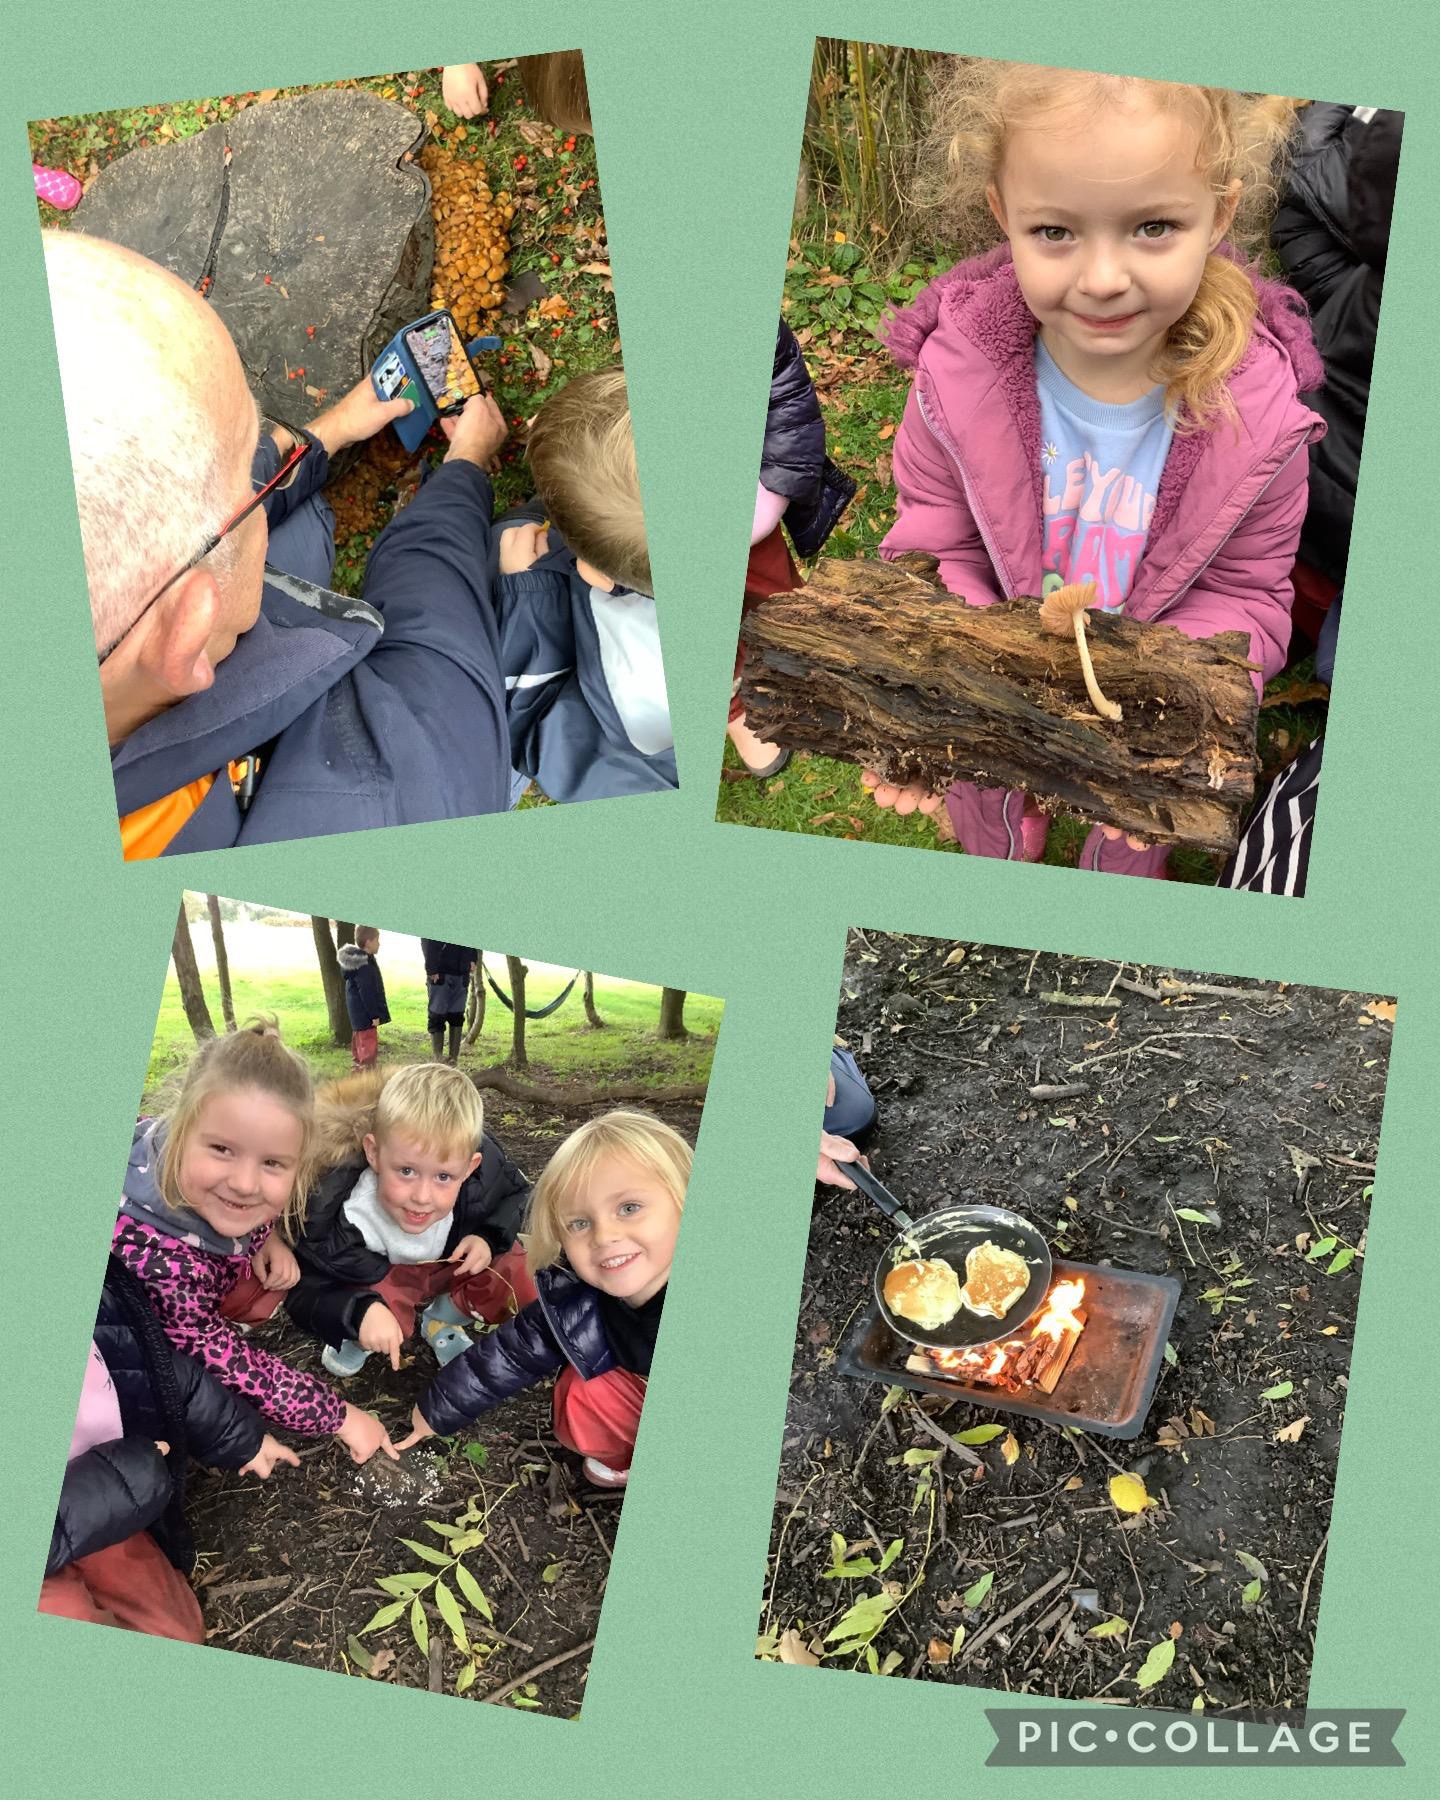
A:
(1037, 1361)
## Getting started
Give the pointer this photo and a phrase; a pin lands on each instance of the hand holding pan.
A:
(952, 1234)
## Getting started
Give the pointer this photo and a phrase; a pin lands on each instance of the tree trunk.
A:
(187, 973)
(475, 1001)
(672, 1014)
(875, 664)
(517, 973)
(344, 932)
(570, 1099)
(222, 961)
(331, 979)
(592, 1018)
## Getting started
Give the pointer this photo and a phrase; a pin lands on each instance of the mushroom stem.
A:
(1107, 709)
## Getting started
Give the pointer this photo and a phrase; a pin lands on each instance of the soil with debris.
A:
(289, 1567)
(1224, 1132)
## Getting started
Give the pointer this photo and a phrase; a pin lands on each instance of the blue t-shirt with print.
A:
(1101, 469)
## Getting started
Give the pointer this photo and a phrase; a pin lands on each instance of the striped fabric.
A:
(1274, 851)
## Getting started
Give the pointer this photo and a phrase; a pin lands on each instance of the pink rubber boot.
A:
(57, 189)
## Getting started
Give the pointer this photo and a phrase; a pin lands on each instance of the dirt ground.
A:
(289, 1568)
(1224, 1132)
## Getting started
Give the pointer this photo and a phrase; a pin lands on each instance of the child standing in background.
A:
(609, 1202)
(206, 1187)
(364, 995)
(448, 968)
(1112, 396)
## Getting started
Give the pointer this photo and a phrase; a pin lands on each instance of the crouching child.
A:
(579, 638)
(412, 1220)
(601, 1233)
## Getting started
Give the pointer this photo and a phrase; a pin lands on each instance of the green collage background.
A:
(699, 109)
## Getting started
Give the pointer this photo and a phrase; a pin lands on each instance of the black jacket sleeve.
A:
(222, 1430)
(338, 1269)
(108, 1494)
(492, 1202)
(502, 1364)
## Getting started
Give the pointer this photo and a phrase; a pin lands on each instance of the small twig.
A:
(1309, 1575)
(258, 1586)
(1059, 998)
(1139, 987)
(963, 1451)
(437, 1663)
(1059, 1090)
(971, 1645)
(1224, 1037)
(260, 1618)
(1031, 970)
(600, 1535)
(552, 1662)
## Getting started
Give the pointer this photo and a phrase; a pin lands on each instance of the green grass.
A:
(559, 1048)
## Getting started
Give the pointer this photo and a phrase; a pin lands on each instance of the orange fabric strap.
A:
(150, 829)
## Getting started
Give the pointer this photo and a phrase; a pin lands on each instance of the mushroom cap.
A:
(1058, 609)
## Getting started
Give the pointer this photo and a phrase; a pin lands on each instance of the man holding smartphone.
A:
(244, 701)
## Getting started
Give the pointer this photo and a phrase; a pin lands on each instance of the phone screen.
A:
(445, 368)
(391, 380)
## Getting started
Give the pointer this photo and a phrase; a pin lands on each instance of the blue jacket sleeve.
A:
(428, 575)
(221, 1430)
(310, 476)
(108, 1494)
(502, 1364)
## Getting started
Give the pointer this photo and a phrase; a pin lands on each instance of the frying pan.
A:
(952, 1233)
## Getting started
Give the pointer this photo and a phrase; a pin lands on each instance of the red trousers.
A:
(600, 1418)
(770, 570)
(493, 1295)
(133, 1585)
(248, 1303)
(365, 1048)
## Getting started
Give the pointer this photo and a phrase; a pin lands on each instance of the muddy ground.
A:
(1252, 1105)
(289, 1568)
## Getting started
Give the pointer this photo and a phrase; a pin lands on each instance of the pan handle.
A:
(875, 1189)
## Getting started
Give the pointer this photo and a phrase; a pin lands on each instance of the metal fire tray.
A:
(1108, 1383)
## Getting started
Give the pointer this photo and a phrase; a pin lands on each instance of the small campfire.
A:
(1090, 1358)
(1035, 1359)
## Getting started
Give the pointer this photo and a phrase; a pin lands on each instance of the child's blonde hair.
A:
(1239, 137)
(435, 1104)
(366, 934)
(654, 1146)
(252, 1057)
(555, 88)
(582, 455)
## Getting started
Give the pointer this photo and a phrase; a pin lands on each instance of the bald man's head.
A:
(161, 423)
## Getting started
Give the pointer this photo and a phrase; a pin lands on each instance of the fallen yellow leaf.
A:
(1290, 1434)
(1128, 1493)
(794, 1649)
(1009, 1449)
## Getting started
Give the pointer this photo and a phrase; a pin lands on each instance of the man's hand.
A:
(521, 546)
(274, 1265)
(834, 1153)
(462, 86)
(476, 433)
(362, 1434)
(471, 1255)
(914, 798)
(418, 1430)
(271, 1451)
(357, 417)
(380, 1330)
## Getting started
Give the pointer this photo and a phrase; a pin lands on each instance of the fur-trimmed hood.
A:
(352, 957)
(345, 1112)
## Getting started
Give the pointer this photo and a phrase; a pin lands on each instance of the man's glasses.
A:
(282, 478)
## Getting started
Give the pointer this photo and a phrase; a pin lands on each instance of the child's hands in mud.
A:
(362, 1434)
(521, 546)
(1111, 832)
(274, 1265)
(419, 1430)
(464, 90)
(380, 1331)
(905, 800)
(271, 1451)
(470, 1255)
(476, 432)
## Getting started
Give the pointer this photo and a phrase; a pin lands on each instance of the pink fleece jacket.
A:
(967, 463)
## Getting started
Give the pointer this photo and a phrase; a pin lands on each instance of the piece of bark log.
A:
(876, 664)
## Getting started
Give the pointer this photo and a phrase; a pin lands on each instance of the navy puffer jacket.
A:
(119, 1488)
(794, 462)
(1331, 232)
(563, 1325)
